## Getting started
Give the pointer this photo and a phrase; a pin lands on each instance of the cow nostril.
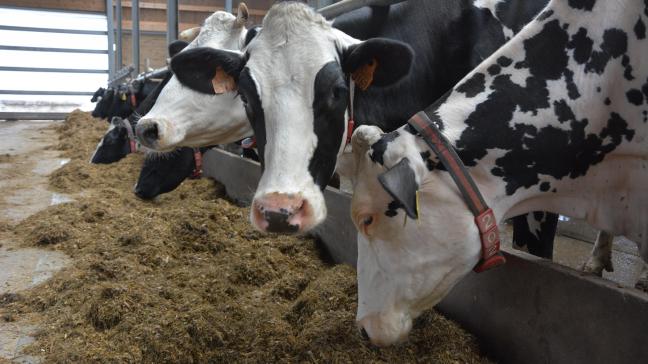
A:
(364, 334)
(278, 222)
(148, 133)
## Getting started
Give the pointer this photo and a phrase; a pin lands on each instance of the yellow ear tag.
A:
(222, 82)
(363, 76)
(123, 97)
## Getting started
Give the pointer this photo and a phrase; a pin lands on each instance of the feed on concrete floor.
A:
(186, 279)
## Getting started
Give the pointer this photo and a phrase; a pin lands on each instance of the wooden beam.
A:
(188, 8)
(75, 5)
(155, 26)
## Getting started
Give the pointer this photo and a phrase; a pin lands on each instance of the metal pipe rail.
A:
(156, 73)
(345, 6)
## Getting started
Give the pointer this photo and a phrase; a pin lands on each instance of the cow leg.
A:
(535, 232)
(601, 255)
(642, 282)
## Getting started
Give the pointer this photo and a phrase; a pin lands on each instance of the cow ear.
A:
(176, 46)
(377, 61)
(400, 182)
(208, 70)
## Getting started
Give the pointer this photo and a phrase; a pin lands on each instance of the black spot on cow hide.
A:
(607, 101)
(582, 4)
(635, 97)
(504, 61)
(572, 89)
(473, 86)
(615, 44)
(563, 111)
(545, 186)
(550, 43)
(378, 148)
(392, 208)
(582, 46)
(429, 163)
(545, 15)
(640, 29)
(625, 62)
(494, 70)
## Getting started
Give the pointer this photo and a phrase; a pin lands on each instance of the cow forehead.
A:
(293, 45)
(293, 66)
(219, 31)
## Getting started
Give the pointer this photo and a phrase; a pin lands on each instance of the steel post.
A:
(118, 39)
(111, 38)
(172, 20)
(135, 35)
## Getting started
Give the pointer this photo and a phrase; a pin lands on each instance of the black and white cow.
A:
(293, 79)
(556, 120)
(184, 117)
(164, 172)
(117, 143)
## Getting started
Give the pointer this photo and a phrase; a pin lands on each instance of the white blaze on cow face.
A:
(404, 265)
(184, 117)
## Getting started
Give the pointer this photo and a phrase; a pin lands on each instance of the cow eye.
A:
(364, 223)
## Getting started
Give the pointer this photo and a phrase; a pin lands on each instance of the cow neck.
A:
(484, 217)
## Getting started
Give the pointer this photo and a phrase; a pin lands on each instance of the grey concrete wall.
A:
(529, 311)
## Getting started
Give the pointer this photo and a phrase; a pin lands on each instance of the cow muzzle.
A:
(148, 133)
(385, 329)
(281, 213)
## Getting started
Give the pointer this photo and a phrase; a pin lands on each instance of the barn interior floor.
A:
(26, 159)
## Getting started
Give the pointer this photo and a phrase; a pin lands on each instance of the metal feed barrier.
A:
(529, 311)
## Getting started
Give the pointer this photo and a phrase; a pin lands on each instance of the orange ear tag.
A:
(363, 76)
(222, 82)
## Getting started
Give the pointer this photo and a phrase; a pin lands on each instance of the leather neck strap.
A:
(484, 218)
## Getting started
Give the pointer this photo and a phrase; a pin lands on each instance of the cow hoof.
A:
(596, 267)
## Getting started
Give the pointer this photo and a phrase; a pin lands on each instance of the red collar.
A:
(350, 122)
(131, 135)
(197, 172)
(484, 218)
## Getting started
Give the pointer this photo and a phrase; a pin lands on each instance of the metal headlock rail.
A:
(346, 6)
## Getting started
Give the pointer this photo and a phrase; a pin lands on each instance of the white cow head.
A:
(293, 80)
(413, 224)
(184, 117)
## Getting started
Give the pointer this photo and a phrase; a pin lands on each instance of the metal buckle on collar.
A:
(490, 242)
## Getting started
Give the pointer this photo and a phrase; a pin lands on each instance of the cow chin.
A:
(385, 329)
